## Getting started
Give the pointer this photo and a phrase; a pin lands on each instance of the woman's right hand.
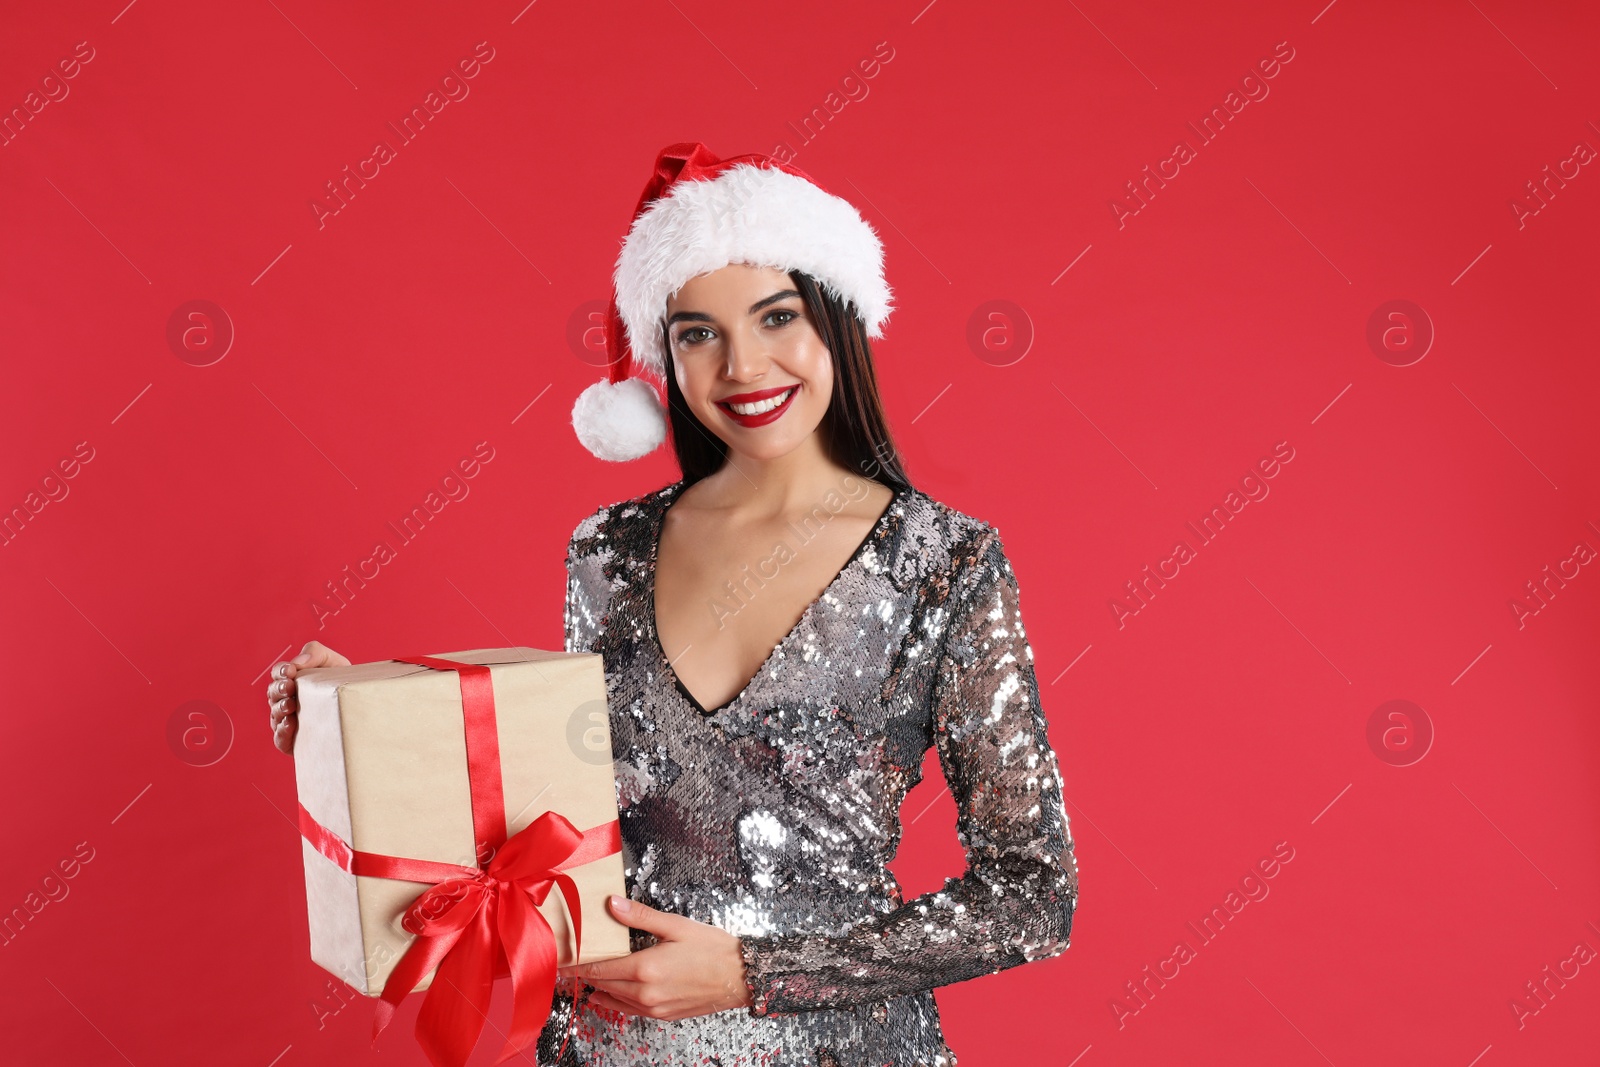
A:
(282, 699)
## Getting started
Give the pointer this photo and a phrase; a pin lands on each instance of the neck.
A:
(795, 482)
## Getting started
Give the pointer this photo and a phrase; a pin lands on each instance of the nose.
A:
(746, 358)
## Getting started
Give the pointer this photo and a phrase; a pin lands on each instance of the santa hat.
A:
(698, 214)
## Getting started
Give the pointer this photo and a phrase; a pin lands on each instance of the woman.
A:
(785, 632)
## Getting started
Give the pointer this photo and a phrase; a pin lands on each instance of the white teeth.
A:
(761, 405)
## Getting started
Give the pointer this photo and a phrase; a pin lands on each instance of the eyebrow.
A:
(700, 316)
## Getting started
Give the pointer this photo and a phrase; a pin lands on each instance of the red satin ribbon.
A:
(478, 923)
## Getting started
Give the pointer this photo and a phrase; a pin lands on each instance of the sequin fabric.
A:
(774, 817)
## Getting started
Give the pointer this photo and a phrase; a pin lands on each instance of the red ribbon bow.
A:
(465, 925)
(478, 923)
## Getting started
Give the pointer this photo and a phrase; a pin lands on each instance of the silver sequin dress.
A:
(774, 817)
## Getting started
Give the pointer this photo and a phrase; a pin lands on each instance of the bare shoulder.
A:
(877, 497)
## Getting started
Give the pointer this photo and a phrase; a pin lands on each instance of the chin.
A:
(767, 452)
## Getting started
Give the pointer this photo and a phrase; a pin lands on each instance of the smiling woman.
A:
(761, 761)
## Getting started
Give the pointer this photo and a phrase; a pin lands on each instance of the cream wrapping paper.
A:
(380, 761)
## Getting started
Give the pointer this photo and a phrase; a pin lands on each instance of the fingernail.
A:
(620, 903)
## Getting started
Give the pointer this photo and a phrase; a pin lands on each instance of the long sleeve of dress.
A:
(1016, 899)
(581, 618)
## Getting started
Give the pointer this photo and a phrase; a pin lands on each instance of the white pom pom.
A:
(620, 421)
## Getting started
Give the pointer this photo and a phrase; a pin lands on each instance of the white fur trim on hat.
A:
(620, 421)
(752, 214)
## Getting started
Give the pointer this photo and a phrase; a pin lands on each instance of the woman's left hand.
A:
(693, 969)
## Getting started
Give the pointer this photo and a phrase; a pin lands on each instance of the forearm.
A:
(997, 915)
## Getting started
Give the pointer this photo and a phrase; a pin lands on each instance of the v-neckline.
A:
(659, 523)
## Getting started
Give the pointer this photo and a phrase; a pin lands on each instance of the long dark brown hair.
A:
(854, 430)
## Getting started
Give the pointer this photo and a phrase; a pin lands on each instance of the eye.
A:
(784, 311)
(683, 338)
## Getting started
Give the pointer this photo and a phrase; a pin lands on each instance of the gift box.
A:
(458, 816)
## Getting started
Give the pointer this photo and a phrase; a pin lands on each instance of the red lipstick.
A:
(751, 398)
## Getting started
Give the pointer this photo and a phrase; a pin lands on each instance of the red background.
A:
(1227, 314)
